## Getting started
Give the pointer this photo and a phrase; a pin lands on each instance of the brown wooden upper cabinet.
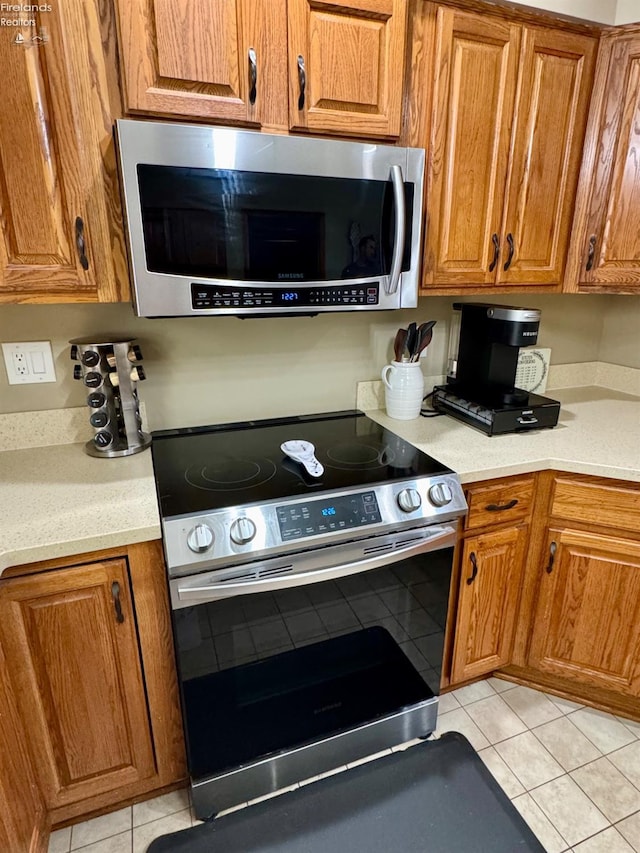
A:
(209, 59)
(318, 65)
(606, 252)
(346, 64)
(60, 232)
(510, 106)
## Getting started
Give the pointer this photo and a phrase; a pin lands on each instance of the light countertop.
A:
(598, 433)
(56, 501)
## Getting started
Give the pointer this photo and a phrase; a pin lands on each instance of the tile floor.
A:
(572, 772)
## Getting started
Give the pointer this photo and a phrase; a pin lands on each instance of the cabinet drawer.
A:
(495, 503)
(609, 506)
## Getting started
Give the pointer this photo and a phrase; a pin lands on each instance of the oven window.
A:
(254, 226)
(274, 670)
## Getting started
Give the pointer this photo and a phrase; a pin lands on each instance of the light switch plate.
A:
(28, 361)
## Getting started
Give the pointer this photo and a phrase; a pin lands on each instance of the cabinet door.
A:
(58, 207)
(492, 565)
(607, 248)
(587, 621)
(555, 80)
(346, 65)
(22, 816)
(72, 654)
(475, 85)
(209, 59)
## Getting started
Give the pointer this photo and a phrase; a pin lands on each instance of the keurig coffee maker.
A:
(481, 389)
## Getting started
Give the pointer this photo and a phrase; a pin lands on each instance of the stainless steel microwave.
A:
(224, 221)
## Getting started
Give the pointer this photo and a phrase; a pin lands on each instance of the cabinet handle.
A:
(253, 76)
(501, 507)
(474, 563)
(496, 251)
(115, 594)
(511, 251)
(80, 244)
(552, 555)
(592, 252)
(302, 78)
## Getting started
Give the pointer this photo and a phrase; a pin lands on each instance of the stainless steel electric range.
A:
(309, 592)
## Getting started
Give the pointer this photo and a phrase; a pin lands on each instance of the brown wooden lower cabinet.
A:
(72, 647)
(23, 818)
(87, 649)
(491, 572)
(551, 597)
(586, 625)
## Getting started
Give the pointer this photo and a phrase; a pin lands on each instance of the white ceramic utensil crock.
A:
(404, 389)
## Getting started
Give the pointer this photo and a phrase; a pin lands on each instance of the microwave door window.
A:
(185, 241)
(256, 226)
(284, 245)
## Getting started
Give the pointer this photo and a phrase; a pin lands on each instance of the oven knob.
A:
(440, 494)
(409, 500)
(242, 531)
(200, 538)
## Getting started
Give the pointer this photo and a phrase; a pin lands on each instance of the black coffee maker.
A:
(481, 390)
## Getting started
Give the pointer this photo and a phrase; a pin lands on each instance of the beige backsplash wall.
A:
(620, 342)
(627, 11)
(217, 369)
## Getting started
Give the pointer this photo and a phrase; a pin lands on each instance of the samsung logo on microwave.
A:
(290, 276)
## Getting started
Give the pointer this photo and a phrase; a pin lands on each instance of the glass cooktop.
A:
(201, 469)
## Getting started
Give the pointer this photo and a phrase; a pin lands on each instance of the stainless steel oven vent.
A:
(392, 546)
(276, 570)
(254, 574)
(379, 549)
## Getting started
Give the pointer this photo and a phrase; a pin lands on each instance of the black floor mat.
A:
(436, 797)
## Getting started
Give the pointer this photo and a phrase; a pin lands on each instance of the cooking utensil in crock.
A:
(399, 344)
(424, 335)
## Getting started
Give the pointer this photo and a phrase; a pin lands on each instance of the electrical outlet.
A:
(28, 361)
(20, 364)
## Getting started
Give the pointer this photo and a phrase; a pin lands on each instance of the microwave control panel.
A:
(230, 296)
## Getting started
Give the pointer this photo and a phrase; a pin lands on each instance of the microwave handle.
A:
(401, 225)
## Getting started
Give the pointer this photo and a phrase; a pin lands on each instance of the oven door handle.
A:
(440, 537)
(400, 229)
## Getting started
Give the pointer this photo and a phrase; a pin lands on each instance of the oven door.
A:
(285, 677)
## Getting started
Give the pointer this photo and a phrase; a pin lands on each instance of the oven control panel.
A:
(238, 534)
(299, 520)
